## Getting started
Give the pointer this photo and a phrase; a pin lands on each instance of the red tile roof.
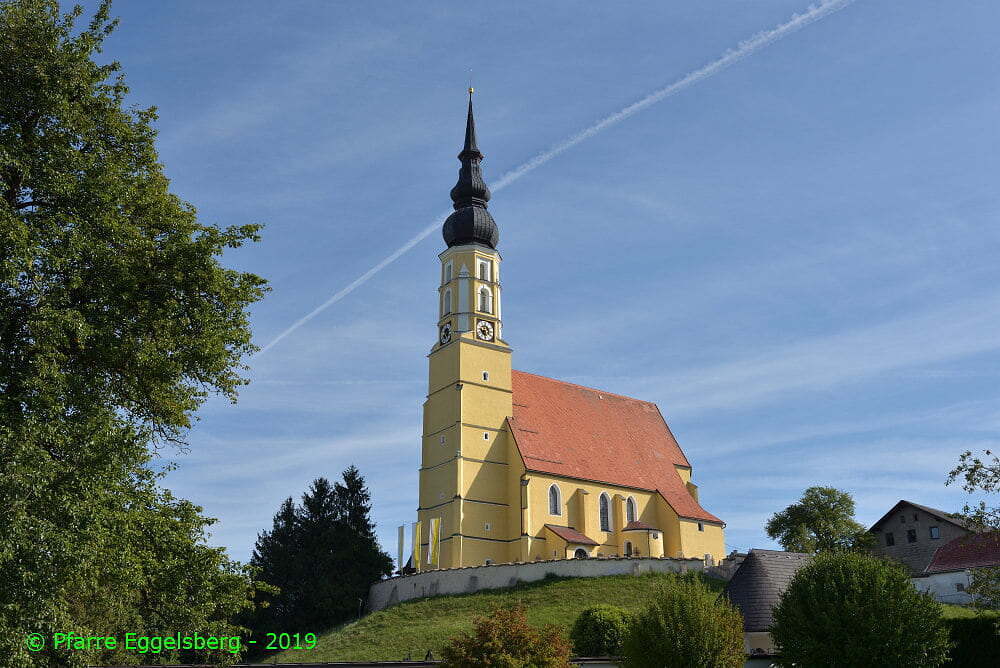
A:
(579, 432)
(635, 525)
(570, 535)
(972, 551)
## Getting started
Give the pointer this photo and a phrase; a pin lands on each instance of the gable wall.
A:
(916, 556)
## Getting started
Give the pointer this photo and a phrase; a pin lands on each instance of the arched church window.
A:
(605, 513)
(447, 302)
(486, 300)
(630, 513)
(555, 503)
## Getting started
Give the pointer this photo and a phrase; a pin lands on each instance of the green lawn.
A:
(949, 611)
(416, 626)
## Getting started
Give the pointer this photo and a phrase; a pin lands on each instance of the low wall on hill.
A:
(475, 578)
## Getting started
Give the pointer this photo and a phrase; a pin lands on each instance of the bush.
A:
(600, 631)
(687, 626)
(851, 609)
(975, 641)
(505, 639)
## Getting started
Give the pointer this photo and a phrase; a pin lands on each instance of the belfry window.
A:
(630, 510)
(485, 272)
(555, 503)
(447, 302)
(447, 272)
(486, 300)
(605, 508)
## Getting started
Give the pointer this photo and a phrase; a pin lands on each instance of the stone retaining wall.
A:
(475, 578)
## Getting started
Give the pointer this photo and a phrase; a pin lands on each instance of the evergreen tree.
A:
(322, 555)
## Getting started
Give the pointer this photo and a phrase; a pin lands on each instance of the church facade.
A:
(520, 467)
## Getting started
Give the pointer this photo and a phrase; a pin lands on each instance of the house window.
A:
(630, 510)
(486, 300)
(447, 302)
(935, 533)
(916, 518)
(959, 586)
(902, 519)
(890, 539)
(487, 526)
(911, 535)
(628, 548)
(605, 508)
(484, 271)
(701, 526)
(555, 503)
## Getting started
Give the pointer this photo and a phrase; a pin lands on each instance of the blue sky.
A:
(796, 257)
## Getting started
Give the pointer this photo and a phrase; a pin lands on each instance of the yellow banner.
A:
(434, 543)
(417, 527)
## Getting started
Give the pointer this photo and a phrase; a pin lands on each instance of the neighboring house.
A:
(520, 467)
(755, 589)
(910, 533)
(948, 575)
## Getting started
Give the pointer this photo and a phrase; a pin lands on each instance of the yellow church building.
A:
(520, 467)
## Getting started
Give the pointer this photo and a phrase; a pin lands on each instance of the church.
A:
(520, 467)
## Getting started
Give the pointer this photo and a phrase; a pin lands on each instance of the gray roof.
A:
(759, 582)
(955, 519)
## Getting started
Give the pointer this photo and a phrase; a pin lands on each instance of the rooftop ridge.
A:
(585, 387)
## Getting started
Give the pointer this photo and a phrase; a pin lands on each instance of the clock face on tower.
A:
(484, 330)
(445, 335)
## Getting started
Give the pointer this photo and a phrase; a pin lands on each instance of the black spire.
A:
(471, 223)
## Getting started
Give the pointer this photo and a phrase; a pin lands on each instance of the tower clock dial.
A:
(484, 330)
(445, 335)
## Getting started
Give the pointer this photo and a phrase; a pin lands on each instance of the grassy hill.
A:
(416, 626)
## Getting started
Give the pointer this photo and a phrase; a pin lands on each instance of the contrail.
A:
(743, 49)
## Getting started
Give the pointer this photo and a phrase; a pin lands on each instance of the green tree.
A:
(821, 521)
(117, 320)
(980, 474)
(504, 639)
(322, 555)
(600, 631)
(687, 626)
(847, 609)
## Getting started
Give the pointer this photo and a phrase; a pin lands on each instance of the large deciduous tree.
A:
(821, 521)
(117, 320)
(980, 474)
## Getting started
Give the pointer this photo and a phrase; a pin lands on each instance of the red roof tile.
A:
(972, 551)
(579, 432)
(570, 535)
(635, 525)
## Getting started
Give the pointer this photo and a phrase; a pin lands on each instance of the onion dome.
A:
(471, 223)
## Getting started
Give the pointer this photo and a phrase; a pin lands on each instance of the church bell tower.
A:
(464, 475)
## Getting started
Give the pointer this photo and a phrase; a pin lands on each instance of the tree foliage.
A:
(504, 639)
(687, 626)
(846, 609)
(117, 320)
(600, 631)
(321, 555)
(821, 521)
(980, 474)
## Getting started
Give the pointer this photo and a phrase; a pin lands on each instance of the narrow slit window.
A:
(605, 512)
(555, 503)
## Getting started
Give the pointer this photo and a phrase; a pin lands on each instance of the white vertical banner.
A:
(434, 543)
(415, 538)
(399, 551)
